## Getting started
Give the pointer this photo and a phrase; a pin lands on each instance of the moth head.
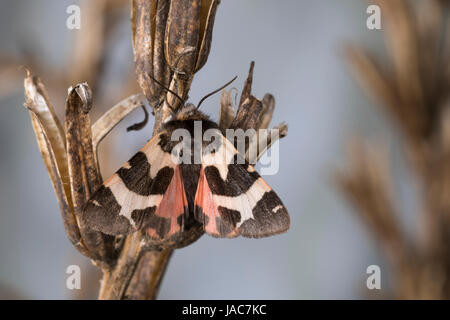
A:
(189, 112)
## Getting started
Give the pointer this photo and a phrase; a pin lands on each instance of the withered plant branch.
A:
(37, 101)
(114, 116)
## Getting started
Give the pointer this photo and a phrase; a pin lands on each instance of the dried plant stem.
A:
(116, 280)
(137, 274)
(148, 275)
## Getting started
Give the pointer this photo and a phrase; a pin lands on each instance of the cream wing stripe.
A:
(129, 200)
(245, 202)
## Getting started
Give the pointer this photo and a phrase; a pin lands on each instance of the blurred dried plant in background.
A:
(86, 61)
(414, 90)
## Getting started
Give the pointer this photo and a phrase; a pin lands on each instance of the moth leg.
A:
(84, 175)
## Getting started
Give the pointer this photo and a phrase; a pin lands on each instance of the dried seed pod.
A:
(268, 103)
(171, 41)
(143, 39)
(226, 113)
(207, 16)
(248, 114)
(247, 90)
(182, 36)
(84, 173)
(51, 142)
(189, 34)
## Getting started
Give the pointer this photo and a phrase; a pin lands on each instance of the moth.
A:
(164, 198)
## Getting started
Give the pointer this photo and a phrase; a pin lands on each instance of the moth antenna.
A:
(215, 91)
(165, 88)
(139, 125)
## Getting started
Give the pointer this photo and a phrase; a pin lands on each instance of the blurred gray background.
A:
(297, 48)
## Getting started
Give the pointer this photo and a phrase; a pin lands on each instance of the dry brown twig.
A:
(414, 90)
(171, 41)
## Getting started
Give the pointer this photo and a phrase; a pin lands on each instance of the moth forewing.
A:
(165, 189)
